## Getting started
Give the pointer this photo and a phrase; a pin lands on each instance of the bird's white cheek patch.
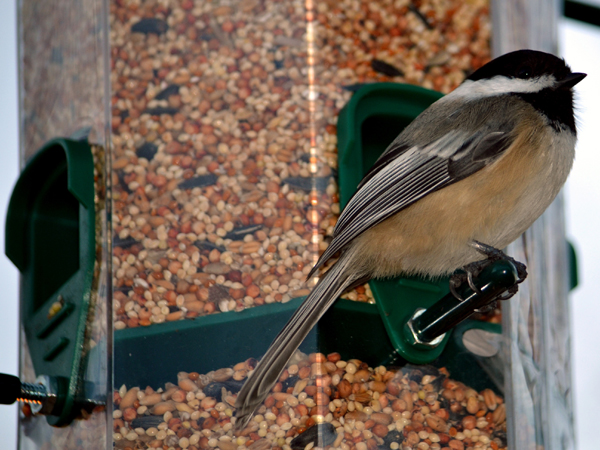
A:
(475, 90)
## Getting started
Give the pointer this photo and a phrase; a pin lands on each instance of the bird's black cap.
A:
(526, 64)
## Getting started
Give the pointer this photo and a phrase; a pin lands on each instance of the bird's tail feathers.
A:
(266, 374)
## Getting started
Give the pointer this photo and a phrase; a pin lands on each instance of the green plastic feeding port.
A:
(369, 122)
(50, 229)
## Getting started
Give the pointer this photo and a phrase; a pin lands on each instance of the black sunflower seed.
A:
(146, 422)
(237, 234)
(320, 435)
(124, 243)
(146, 150)
(208, 246)
(160, 110)
(308, 183)
(214, 390)
(150, 25)
(420, 15)
(385, 68)
(172, 89)
(199, 181)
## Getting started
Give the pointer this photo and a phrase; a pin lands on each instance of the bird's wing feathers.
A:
(483, 150)
(403, 175)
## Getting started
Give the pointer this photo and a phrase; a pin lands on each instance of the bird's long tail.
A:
(328, 289)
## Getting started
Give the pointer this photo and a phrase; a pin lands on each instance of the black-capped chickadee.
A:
(480, 165)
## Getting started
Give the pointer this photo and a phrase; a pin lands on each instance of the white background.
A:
(580, 45)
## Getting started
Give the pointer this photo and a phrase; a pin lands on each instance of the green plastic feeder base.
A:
(154, 355)
(221, 340)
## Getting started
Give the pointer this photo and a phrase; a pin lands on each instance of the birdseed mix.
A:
(224, 136)
(319, 401)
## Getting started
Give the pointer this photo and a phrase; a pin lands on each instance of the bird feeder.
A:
(183, 164)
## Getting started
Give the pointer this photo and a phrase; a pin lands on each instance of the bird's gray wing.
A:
(403, 175)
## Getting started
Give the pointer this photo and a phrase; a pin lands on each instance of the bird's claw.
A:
(472, 283)
(494, 254)
(473, 269)
(459, 278)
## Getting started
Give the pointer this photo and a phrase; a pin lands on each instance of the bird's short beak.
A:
(571, 80)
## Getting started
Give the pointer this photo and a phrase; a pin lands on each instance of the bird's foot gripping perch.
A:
(473, 269)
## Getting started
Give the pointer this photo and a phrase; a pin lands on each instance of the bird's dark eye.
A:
(524, 72)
